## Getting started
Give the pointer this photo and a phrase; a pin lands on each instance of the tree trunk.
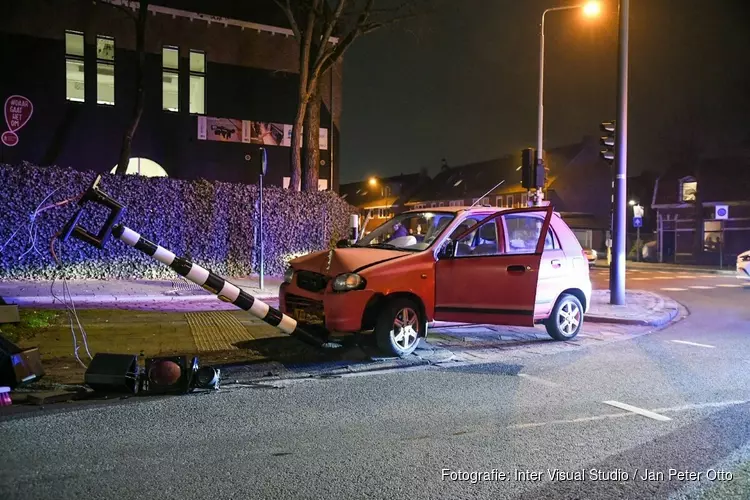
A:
(140, 97)
(296, 149)
(311, 142)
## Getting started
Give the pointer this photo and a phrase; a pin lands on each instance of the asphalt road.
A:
(414, 434)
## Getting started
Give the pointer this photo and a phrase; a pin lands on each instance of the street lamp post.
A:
(590, 9)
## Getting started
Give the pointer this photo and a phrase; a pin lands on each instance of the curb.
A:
(722, 272)
(662, 320)
(113, 299)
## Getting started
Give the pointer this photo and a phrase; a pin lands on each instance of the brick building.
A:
(220, 82)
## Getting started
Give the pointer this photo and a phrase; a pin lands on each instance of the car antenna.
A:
(488, 192)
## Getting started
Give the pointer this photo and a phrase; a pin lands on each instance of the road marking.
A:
(640, 279)
(674, 289)
(639, 411)
(698, 406)
(701, 287)
(693, 343)
(663, 277)
(730, 286)
(538, 380)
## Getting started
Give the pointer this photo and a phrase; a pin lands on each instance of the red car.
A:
(475, 265)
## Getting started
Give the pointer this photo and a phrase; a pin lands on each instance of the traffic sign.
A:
(637, 222)
(722, 212)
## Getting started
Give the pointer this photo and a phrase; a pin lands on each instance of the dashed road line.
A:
(701, 287)
(674, 289)
(693, 343)
(724, 285)
(639, 411)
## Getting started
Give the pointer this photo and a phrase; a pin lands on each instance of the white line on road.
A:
(538, 380)
(693, 343)
(701, 287)
(674, 289)
(635, 409)
(729, 286)
(640, 279)
(686, 407)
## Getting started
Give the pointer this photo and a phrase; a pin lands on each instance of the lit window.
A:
(105, 70)
(197, 82)
(144, 167)
(509, 202)
(170, 79)
(688, 189)
(74, 75)
(524, 200)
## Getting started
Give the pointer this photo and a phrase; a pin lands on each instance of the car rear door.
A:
(495, 283)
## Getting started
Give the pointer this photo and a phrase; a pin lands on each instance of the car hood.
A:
(345, 260)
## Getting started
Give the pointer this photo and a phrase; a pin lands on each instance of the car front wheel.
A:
(399, 327)
(566, 319)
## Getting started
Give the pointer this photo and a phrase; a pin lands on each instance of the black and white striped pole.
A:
(226, 291)
(211, 282)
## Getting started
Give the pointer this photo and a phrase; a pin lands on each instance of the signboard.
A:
(250, 132)
(18, 111)
(637, 222)
(638, 211)
(722, 212)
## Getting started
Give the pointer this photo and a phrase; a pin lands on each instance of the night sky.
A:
(461, 83)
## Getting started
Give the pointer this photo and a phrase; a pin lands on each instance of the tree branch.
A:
(286, 7)
(331, 24)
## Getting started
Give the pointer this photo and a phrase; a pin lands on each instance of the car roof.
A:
(477, 209)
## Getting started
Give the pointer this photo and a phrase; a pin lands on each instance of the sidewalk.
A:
(641, 308)
(655, 266)
(101, 293)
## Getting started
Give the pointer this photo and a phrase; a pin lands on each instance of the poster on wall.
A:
(221, 129)
(250, 132)
(17, 110)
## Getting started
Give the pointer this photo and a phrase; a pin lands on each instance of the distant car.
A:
(590, 255)
(743, 265)
(474, 265)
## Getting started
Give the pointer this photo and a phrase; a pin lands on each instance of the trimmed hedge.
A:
(212, 223)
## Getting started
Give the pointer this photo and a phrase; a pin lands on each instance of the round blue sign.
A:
(721, 212)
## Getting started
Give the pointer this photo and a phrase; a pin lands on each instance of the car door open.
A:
(489, 273)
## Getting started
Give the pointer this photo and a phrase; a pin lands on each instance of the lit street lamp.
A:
(590, 9)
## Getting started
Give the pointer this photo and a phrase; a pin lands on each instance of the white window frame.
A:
(687, 180)
(509, 201)
(105, 63)
(524, 200)
(78, 59)
(173, 72)
(197, 74)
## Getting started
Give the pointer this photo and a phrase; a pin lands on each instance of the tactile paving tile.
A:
(216, 330)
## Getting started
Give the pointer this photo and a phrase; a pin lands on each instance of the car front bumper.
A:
(334, 311)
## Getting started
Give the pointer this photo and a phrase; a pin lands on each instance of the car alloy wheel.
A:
(568, 318)
(405, 328)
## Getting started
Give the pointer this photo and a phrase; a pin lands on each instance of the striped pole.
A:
(217, 285)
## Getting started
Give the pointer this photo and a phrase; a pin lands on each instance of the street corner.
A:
(641, 308)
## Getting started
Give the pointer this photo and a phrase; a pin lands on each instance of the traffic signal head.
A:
(608, 141)
(527, 168)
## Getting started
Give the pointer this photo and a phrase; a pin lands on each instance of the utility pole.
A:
(619, 219)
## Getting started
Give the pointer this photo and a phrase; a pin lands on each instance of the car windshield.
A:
(412, 231)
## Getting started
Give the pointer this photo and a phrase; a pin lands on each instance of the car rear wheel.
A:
(398, 328)
(566, 318)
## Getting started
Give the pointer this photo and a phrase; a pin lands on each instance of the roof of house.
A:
(362, 194)
(719, 180)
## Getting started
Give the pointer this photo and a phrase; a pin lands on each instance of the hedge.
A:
(212, 223)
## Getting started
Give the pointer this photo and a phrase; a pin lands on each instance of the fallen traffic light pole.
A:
(209, 281)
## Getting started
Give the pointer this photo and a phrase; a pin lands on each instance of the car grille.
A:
(310, 281)
(304, 309)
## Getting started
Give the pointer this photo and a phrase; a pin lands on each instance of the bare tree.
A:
(139, 20)
(313, 23)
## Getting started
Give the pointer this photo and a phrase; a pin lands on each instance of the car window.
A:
(482, 241)
(523, 233)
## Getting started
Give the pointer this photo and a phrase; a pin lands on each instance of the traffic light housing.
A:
(527, 168)
(540, 173)
(608, 141)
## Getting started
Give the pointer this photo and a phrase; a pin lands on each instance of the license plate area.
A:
(305, 310)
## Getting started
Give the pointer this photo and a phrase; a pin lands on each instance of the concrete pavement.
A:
(663, 409)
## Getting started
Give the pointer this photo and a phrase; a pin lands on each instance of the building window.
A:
(456, 203)
(524, 200)
(105, 70)
(197, 82)
(688, 189)
(170, 79)
(509, 202)
(74, 80)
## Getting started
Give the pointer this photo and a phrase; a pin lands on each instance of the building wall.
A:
(249, 75)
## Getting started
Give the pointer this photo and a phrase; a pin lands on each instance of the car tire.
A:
(566, 318)
(399, 327)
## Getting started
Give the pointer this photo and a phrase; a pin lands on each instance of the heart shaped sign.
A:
(18, 111)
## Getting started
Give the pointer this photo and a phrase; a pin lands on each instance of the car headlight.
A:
(348, 281)
(288, 275)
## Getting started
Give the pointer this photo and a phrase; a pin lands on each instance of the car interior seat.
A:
(488, 243)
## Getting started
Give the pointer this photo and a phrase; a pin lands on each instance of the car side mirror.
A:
(343, 244)
(448, 251)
